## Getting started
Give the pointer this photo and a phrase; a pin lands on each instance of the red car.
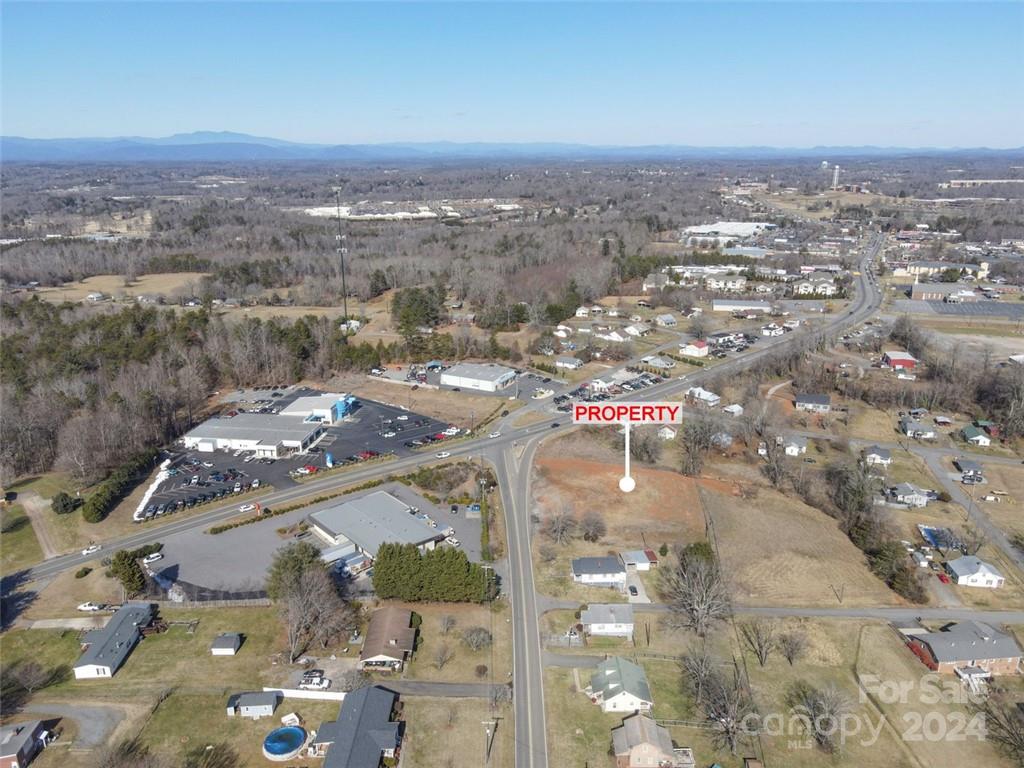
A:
(312, 469)
(943, 578)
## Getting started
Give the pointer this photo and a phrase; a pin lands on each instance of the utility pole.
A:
(342, 250)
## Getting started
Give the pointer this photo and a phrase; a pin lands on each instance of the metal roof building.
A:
(373, 520)
(265, 434)
(106, 649)
(485, 377)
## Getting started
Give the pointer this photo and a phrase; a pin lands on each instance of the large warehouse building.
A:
(370, 521)
(484, 377)
(266, 435)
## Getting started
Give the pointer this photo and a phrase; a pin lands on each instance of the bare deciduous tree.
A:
(820, 709)
(695, 592)
(447, 623)
(592, 526)
(560, 526)
(477, 638)
(725, 703)
(792, 645)
(30, 676)
(759, 637)
(443, 655)
(1004, 724)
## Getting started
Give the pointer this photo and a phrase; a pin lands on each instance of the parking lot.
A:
(236, 561)
(373, 429)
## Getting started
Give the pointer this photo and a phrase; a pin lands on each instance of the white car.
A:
(494, 434)
(388, 434)
(90, 607)
(451, 431)
(247, 508)
(208, 464)
(153, 558)
(249, 458)
(92, 549)
(255, 483)
(455, 542)
(442, 455)
(403, 417)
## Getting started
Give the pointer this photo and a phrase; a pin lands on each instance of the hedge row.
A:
(268, 513)
(116, 486)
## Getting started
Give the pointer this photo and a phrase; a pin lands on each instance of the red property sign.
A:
(627, 413)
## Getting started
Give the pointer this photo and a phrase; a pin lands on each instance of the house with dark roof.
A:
(226, 644)
(618, 685)
(608, 619)
(972, 571)
(969, 645)
(364, 733)
(813, 403)
(969, 467)
(641, 743)
(21, 742)
(105, 650)
(874, 454)
(599, 571)
(390, 640)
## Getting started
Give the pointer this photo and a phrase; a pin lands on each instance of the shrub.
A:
(82, 572)
(481, 671)
(63, 504)
(116, 486)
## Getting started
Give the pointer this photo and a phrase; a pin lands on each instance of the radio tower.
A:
(342, 250)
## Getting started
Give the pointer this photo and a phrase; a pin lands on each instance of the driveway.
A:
(95, 722)
(633, 580)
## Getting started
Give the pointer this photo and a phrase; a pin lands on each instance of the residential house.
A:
(876, 455)
(639, 559)
(794, 445)
(21, 742)
(105, 650)
(641, 743)
(657, 361)
(608, 619)
(605, 571)
(583, 312)
(617, 336)
(654, 282)
(899, 360)
(975, 436)
(916, 429)
(364, 735)
(390, 640)
(619, 685)
(969, 467)
(666, 321)
(733, 410)
(813, 403)
(967, 646)
(703, 397)
(571, 363)
(909, 494)
(990, 427)
(696, 348)
(255, 704)
(970, 571)
(637, 329)
(667, 433)
(226, 644)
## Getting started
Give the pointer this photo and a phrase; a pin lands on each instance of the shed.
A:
(226, 644)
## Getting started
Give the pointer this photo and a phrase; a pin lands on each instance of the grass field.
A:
(18, 545)
(166, 283)
(449, 733)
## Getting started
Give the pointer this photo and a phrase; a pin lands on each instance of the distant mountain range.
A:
(224, 146)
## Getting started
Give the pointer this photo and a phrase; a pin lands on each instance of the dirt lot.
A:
(449, 733)
(452, 407)
(166, 283)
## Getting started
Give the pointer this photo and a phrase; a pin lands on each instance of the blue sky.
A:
(782, 74)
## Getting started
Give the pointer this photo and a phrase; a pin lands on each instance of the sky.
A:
(712, 74)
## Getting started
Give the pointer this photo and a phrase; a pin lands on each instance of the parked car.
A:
(255, 483)
(152, 558)
(943, 578)
(92, 549)
(494, 434)
(238, 488)
(311, 674)
(90, 607)
(442, 455)
(454, 542)
(633, 592)
(455, 509)
(316, 684)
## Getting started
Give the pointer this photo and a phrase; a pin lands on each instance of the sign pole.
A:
(627, 483)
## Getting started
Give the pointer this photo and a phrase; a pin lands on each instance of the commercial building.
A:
(740, 305)
(370, 521)
(364, 735)
(694, 349)
(105, 650)
(951, 293)
(328, 408)
(484, 377)
(899, 360)
(266, 435)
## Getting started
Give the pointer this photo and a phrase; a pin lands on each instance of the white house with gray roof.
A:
(971, 571)
(605, 571)
(608, 619)
(876, 455)
(618, 685)
(363, 735)
(105, 650)
(909, 494)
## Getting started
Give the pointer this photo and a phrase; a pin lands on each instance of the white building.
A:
(105, 650)
(266, 435)
(656, 361)
(605, 571)
(328, 408)
(909, 494)
(667, 433)
(877, 456)
(618, 685)
(483, 377)
(703, 396)
(969, 571)
(772, 330)
(793, 446)
(734, 410)
(730, 283)
(608, 619)
(694, 349)
(667, 320)
(740, 305)
(571, 363)
(583, 312)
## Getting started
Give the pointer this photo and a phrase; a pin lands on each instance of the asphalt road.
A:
(514, 478)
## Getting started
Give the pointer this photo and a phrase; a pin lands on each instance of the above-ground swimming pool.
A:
(284, 743)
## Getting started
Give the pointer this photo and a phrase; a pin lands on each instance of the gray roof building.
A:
(616, 675)
(640, 729)
(970, 640)
(968, 466)
(20, 742)
(607, 613)
(597, 566)
(812, 399)
(253, 704)
(363, 732)
(226, 643)
(268, 429)
(373, 520)
(881, 453)
(106, 649)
